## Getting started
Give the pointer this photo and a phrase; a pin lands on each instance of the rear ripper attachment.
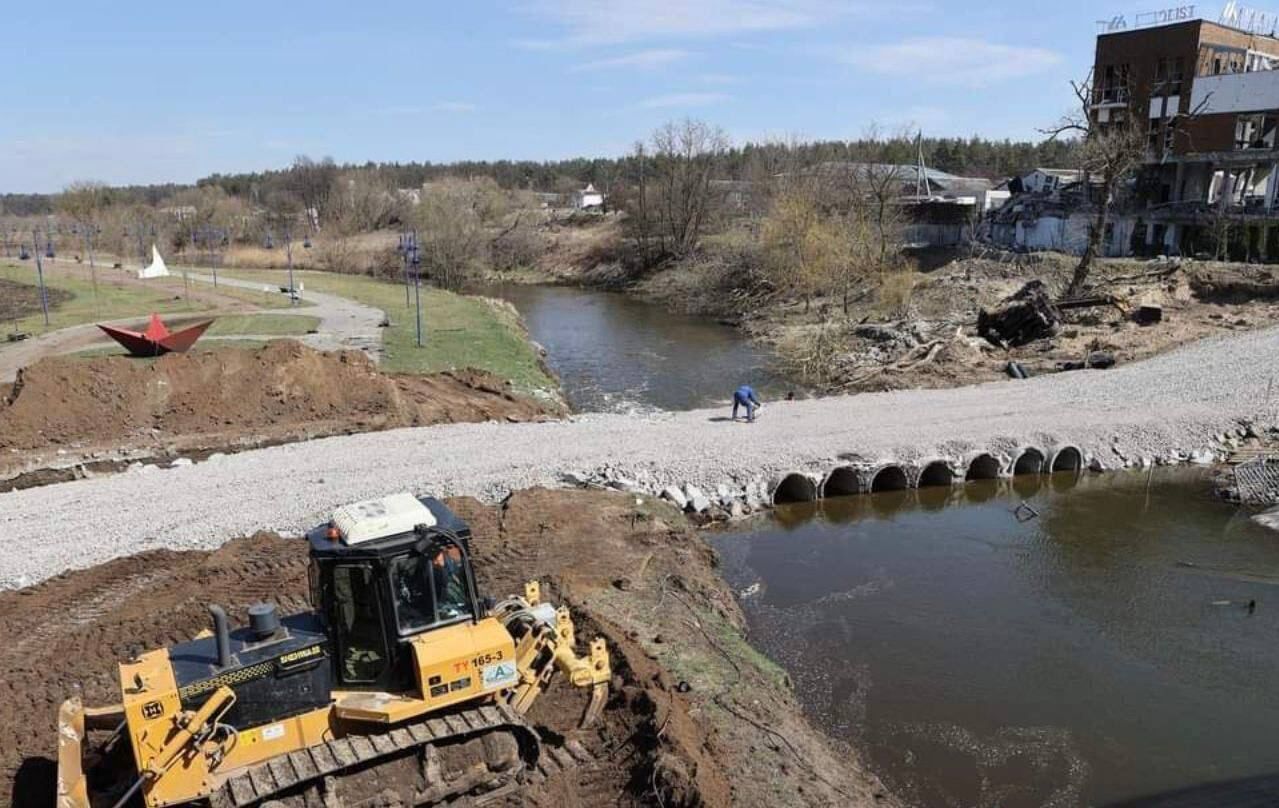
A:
(402, 678)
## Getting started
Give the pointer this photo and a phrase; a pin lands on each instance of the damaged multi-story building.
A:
(1207, 96)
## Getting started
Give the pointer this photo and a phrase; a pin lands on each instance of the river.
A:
(1100, 647)
(615, 353)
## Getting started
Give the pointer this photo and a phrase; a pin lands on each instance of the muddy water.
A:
(614, 353)
(1103, 650)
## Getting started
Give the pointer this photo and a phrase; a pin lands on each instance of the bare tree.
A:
(807, 248)
(83, 201)
(685, 155)
(312, 183)
(451, 224)
(282, 212)
(1110, 151)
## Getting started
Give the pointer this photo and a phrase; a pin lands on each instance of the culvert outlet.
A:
(935, 474)
(1068, 458)
(842, 482)
(1031, 461)
(889, 478)
(983, 467)
(795, 487)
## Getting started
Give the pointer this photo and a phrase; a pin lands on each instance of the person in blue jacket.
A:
(745, 397)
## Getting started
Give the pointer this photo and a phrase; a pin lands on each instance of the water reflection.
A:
(614, 353)
(1098, 650)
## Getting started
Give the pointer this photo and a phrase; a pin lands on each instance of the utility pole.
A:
(44, 297)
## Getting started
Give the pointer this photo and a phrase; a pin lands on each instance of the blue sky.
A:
(152, 92)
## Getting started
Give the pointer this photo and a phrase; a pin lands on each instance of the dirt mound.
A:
(696, 718)
(276, 391)
(67, 634)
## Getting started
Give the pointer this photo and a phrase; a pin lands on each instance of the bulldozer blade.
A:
(73, 719)
(599, 694)
(73, 789)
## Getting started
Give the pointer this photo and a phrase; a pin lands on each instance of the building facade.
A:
(1207, 97)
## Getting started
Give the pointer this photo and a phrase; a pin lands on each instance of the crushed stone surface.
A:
(1158, 410)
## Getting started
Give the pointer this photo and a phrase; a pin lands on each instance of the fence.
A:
(1258, 481)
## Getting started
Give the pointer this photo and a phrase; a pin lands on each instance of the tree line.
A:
(974, 156)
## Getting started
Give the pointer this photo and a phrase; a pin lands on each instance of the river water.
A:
(614, 353)
(1099, 651)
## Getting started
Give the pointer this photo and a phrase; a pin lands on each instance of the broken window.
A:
(1114, 84)
(1255, 131)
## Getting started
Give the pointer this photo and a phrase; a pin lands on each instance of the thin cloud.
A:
(719, 79)
(602, 21)
(683, 100)
(640, 60)
(453, 106)
(953, 60)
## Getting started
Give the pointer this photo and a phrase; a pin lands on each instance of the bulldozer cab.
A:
(377, 592)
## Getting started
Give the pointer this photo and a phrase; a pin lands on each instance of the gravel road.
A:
(1176, 402)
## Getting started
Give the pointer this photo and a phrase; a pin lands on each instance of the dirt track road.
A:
(1176, 402)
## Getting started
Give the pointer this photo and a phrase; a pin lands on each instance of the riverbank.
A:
(73, 416)
(917, 329)
(1170, 408)
(696, 717)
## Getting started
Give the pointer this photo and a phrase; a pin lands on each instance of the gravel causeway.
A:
(1181, 402)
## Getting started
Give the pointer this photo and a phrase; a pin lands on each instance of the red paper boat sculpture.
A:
(157, 339)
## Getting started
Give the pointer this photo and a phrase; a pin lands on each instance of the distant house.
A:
(588, 198)
(180, 212)
(1049, 180)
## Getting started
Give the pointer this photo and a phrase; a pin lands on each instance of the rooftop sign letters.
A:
(1237, 15)
(1146, 19)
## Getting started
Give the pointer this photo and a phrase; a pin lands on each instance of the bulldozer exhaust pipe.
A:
(222, 634)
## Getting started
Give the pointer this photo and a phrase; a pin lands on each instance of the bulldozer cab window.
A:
(429, 589)
(453, 600)
(359, 624)
(414, 605)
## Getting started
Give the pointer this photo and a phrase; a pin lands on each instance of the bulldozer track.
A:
(286, 774)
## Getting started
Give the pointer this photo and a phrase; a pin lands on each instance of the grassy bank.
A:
(114, 300)
(120, 296)
(458, 331)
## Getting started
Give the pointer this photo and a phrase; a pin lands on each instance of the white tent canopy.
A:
(156, 269)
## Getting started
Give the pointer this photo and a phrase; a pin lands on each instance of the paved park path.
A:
(344, 323)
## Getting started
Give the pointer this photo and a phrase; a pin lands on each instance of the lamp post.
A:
(416, 261)
(407, 243)
(288, 253)
(44, 296)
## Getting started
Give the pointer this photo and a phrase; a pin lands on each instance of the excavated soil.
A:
(231, 398)
(696, 718)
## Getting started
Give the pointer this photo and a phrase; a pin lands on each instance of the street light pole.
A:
(44, 297)
(288, 252)
(405, 246)
(417, 286)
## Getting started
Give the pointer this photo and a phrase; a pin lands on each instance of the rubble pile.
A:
(1026, 316)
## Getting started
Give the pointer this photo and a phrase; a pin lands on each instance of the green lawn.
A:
(276, 325)
(113, 301)
(459, 331)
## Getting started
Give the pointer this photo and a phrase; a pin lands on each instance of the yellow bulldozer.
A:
(402, 682)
